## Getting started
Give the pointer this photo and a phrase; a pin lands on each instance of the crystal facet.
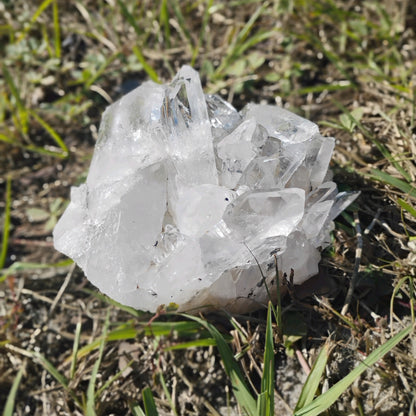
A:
(186, 197)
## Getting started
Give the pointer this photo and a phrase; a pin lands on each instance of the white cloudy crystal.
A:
(185, 195)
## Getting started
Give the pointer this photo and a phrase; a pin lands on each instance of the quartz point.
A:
(186, 198)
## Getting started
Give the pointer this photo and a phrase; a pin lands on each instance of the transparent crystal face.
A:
(186, 198)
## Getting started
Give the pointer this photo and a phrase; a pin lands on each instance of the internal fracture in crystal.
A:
(186, 198)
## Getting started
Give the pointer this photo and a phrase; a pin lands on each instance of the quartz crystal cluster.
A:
(187, 198)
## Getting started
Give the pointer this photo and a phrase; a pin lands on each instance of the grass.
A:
(349, 67)
(6, 225)
(9, 405)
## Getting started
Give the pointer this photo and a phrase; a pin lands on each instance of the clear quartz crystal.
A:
(187, 199)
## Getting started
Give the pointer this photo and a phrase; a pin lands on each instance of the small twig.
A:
(209, 407)
(18, 350)
(46, 299)
(358, 253)
(373, 222)
(43, 395)
(101, 92)
(375, 316)
(62, 288)
(27, 242)
(303, 362)
(389, 230)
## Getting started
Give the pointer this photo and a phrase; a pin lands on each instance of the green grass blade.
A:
(237, 47)
(136, 410)
(181, 21)
(254, 40)
(55, 136)
(32, 148)
(312, 382)
(6, 225)
(21, 108)
(412, 298)
(46, 152)
(34, 18)
(202, 33)
(149, 70)
(90, 409)
(245, 31)
(149, 402)
(323, 402)
(266, 398)
(130, 330)
(112, 380)
(75, 350)
(129, 17)
(237, 327)
(166, 328)
(101, 69)
(8, 408)
(206, 342)
(164, 21)
(45, 36)
(104, 298)
(167, 394)
(278, 309)
(53, 371)
(40, 10)
(385, 152)
(325, 87)
(341, 317)
(57, 29)
(396, 289)
(406, 206)
(262, 404)
(19, 266)
(240, 389)
(6, 139)
(13, 89)
(384, 177)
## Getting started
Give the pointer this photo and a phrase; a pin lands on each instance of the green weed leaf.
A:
(8, 408)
